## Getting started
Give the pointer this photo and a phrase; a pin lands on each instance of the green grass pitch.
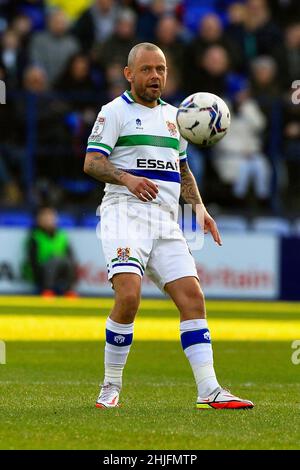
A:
(49, 386)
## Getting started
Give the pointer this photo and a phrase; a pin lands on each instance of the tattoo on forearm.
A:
(189, 189)
(101, 169)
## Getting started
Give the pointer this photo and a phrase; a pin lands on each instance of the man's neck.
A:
(148, 104)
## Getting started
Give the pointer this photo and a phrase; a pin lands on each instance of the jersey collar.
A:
(127, 96)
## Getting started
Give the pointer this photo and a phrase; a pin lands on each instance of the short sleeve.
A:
(182, 149)
(105, 132)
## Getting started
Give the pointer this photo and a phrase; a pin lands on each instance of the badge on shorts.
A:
(172, 128)
(123, 254)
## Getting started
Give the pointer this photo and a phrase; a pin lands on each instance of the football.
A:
(203, 119)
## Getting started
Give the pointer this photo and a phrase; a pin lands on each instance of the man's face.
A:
(147, 75)
(58, 23)
(47, 219)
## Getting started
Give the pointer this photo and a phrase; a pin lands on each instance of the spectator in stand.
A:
(265, 89)
(97, 23)
(235, 29)
(52, 48)
(53, 133)
(116, 48)
(211, 33)
(12, 58)
(82, 97)
(22, 26)
(77, 83)
(210, 74)
(148, 17)
(239, 159)
(35, 80)
(264, 76)
(252, 27)
(49, 257)
(287, 55)
(265, 83)
(167, 37)
(262, 33)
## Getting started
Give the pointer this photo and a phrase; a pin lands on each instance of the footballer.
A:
(136, 149)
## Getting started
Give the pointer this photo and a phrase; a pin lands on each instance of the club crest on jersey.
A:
(172, 128)
(123, 254)
(138, 123)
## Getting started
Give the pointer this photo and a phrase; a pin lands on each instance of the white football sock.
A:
(195, 340)
(118, 342)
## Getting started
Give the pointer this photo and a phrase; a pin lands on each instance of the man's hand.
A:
(207, 223)
(142, 188)
(211, 226)
(99, 167)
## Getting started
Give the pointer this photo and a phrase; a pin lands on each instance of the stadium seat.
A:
(275, 225)
(90, 221)
(77, 186)
(66, 220)
(16, 219)
(231, 223)
(194, 14)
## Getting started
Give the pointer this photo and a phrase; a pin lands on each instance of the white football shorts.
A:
(143, 238)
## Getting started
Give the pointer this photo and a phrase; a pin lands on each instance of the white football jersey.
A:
(142, 141)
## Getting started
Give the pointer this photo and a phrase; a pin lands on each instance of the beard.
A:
(148, 94)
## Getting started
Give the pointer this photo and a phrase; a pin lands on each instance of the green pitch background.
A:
(55, 362)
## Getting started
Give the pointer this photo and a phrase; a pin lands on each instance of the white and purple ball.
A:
(203, 119)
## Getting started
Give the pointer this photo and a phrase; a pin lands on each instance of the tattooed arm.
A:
(191, 195)
(189, 189)
(100, 168)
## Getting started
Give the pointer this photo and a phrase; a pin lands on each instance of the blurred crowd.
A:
(61, 60)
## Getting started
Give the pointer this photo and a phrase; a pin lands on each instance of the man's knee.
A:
(192, 304)
(195, 298)
(127, 299)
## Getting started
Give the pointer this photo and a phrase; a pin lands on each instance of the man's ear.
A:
(128, 74)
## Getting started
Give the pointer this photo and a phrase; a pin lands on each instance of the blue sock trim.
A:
(189, 338)
(118, 339)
